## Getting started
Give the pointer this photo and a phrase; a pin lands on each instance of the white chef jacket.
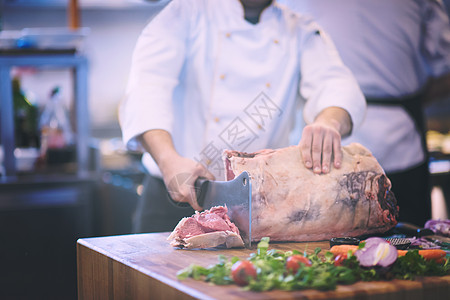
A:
(215, 81)
(392, 47)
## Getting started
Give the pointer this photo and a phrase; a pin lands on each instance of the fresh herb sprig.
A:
(412, 265)
(323, 274)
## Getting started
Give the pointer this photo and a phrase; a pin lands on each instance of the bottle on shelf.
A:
(25, 118)
(57, 137)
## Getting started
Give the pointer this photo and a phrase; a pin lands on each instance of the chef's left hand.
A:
(321, 141)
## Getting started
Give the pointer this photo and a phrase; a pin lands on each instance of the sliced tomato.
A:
(339, 260)
(293, 262)
(242, 271)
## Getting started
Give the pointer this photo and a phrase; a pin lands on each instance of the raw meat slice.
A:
(291, 203)
(207, 229)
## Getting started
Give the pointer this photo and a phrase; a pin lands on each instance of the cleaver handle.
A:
(201, 185)
(412, 230)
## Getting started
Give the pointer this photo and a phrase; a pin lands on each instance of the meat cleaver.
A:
(235, 194)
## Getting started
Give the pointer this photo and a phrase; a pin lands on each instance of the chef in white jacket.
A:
(209, 75)
(393, 47)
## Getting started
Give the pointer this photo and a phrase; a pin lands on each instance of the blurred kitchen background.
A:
(70, 59)
(49, 201)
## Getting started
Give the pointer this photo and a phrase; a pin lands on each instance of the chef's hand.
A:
(321, 141)
(179, 173)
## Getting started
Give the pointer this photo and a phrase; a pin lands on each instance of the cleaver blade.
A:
(235, 194)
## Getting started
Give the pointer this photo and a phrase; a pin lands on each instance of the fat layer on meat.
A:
(291, 203)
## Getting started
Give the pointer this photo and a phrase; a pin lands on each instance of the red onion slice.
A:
(373, 241)
(376, 252)
(441, 227)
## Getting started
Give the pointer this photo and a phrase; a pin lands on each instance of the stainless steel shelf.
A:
(48, 59)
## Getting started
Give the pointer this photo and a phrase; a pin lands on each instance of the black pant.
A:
(413, 193)
(155, 211)
(411, 187)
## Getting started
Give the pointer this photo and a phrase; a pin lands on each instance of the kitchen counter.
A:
(144, 266)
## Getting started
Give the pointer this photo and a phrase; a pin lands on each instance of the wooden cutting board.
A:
(144, 266)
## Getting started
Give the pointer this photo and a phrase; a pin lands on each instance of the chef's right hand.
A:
(179, 175)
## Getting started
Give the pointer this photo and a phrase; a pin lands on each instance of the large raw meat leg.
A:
(291, 203)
